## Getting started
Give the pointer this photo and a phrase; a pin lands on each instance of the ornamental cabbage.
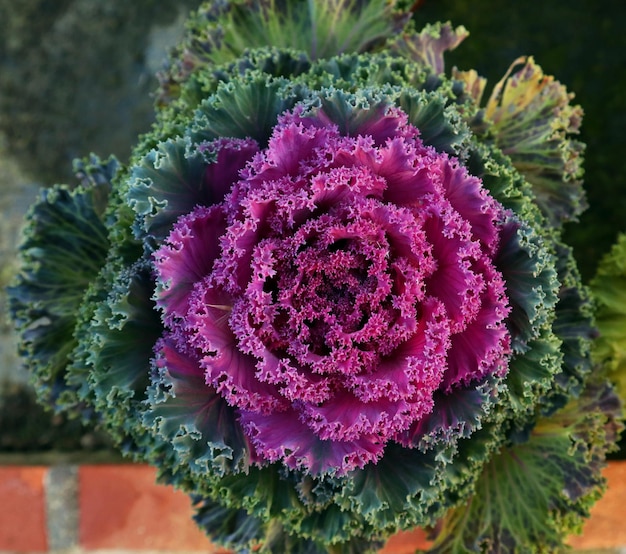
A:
(328, 297)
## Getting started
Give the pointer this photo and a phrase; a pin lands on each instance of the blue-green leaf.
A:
(64, 247)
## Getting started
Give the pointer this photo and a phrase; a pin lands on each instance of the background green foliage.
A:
(583, 44)
(76, 76)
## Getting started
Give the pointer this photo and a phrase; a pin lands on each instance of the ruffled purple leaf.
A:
(186, 257)
(191, 414)
(281, 436)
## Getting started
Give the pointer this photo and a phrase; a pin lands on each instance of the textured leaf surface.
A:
(172, 179)
(574, 325)
(64, 247)
(428, 46)
(532, 280)
(114, 356)
(222, 32)
(532, 122)
(531, 495)
(190, 414)
(609, 291)
(244, 108)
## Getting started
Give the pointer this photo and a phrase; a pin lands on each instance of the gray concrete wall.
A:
(16, 194)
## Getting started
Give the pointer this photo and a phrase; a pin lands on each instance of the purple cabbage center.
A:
(340, 284)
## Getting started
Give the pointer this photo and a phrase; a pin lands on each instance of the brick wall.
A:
(105, 507)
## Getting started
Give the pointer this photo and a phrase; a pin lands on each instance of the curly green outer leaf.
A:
(574, 325)
(609, 292)
(531, 121)
(165, 185)
(111, 362)
(429, 45)
(64, 247)
(556, 472)
(222, 32)
(242, 108)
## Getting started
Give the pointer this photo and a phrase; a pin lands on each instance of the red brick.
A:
(121, 506)
(23, 511)
(406, 542)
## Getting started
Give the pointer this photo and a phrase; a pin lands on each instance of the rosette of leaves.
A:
(328, 297)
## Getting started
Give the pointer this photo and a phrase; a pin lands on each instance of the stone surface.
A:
(76, 76)
(62, 506)
(16, 194)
